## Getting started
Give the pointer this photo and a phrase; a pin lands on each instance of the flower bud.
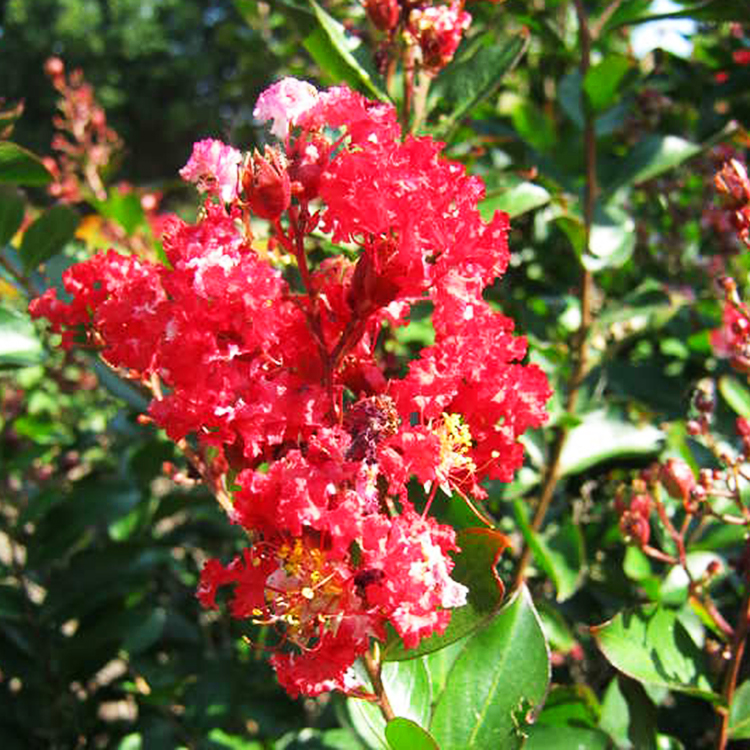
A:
(635, 528)
(266, 185)
(640, 505)
(369, 289)
(384, 14)
(677, 478)
(732, 182)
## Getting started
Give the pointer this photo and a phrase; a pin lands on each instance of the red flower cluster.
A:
(285, 380)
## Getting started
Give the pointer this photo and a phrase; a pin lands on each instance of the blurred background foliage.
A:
(102, 642)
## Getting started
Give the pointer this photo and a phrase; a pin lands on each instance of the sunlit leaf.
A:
(651, 645)
(500, 676)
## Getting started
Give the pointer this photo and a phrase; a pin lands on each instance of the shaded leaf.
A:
(628, 715)
(739, 713)
(466, 83)
(47, 235)
(542, 737)
(650, 157)
(603, 436)
(11, 213)
(20, 167)
(501, 674)
(603, 79)
(651, 645)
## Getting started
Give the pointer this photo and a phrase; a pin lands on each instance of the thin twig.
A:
(372, 665)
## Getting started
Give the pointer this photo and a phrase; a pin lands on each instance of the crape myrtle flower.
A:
(279, 377)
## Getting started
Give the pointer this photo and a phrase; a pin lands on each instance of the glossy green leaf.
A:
(47, 235)
(11, 213)
(533, 125)
(603, 436)
(556, 630)
(514, 200)
(407, 685)
(574, 705)
(559, 552)
(124, 208)
(501, 675)
(603, 79)
(20, 167)
(403, 734)
(650, 157)
(475, 569)
(19, 344)
(343, 56)
(542, 737)
(612, 240)
(651, 645)
(739, 713)
(736, 395)
(628, 715)
(466, 83)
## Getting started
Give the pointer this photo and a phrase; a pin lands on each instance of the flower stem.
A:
(372, 663)
(733, 669)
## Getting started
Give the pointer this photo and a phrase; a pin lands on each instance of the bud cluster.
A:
(84, 143)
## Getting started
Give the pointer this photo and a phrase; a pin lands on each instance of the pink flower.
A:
(214, 168)
(284, 103)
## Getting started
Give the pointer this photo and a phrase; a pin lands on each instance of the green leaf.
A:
(407, 685)
(651, 645)
(342, 55)
(674, 588)
(466, 83)
(124, 208)
(603, 79)
(603, 436)
(147, 632)
(708, 10)
(514, 200)
(475, 568)
(575, 705)
(403, 734)
(739, 713)
(20, 167)
(612, 239)
(541, 737)
(628, 715)
(48, 235)
(533, 125)
(19, 344)
(559, 552)
(500, 675)
(11, 213)
(735, 394)
(650, 157)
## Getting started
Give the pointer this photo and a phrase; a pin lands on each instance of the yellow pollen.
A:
(455, 443)
(307, 593)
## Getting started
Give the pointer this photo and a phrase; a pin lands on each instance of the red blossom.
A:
(289, 382)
